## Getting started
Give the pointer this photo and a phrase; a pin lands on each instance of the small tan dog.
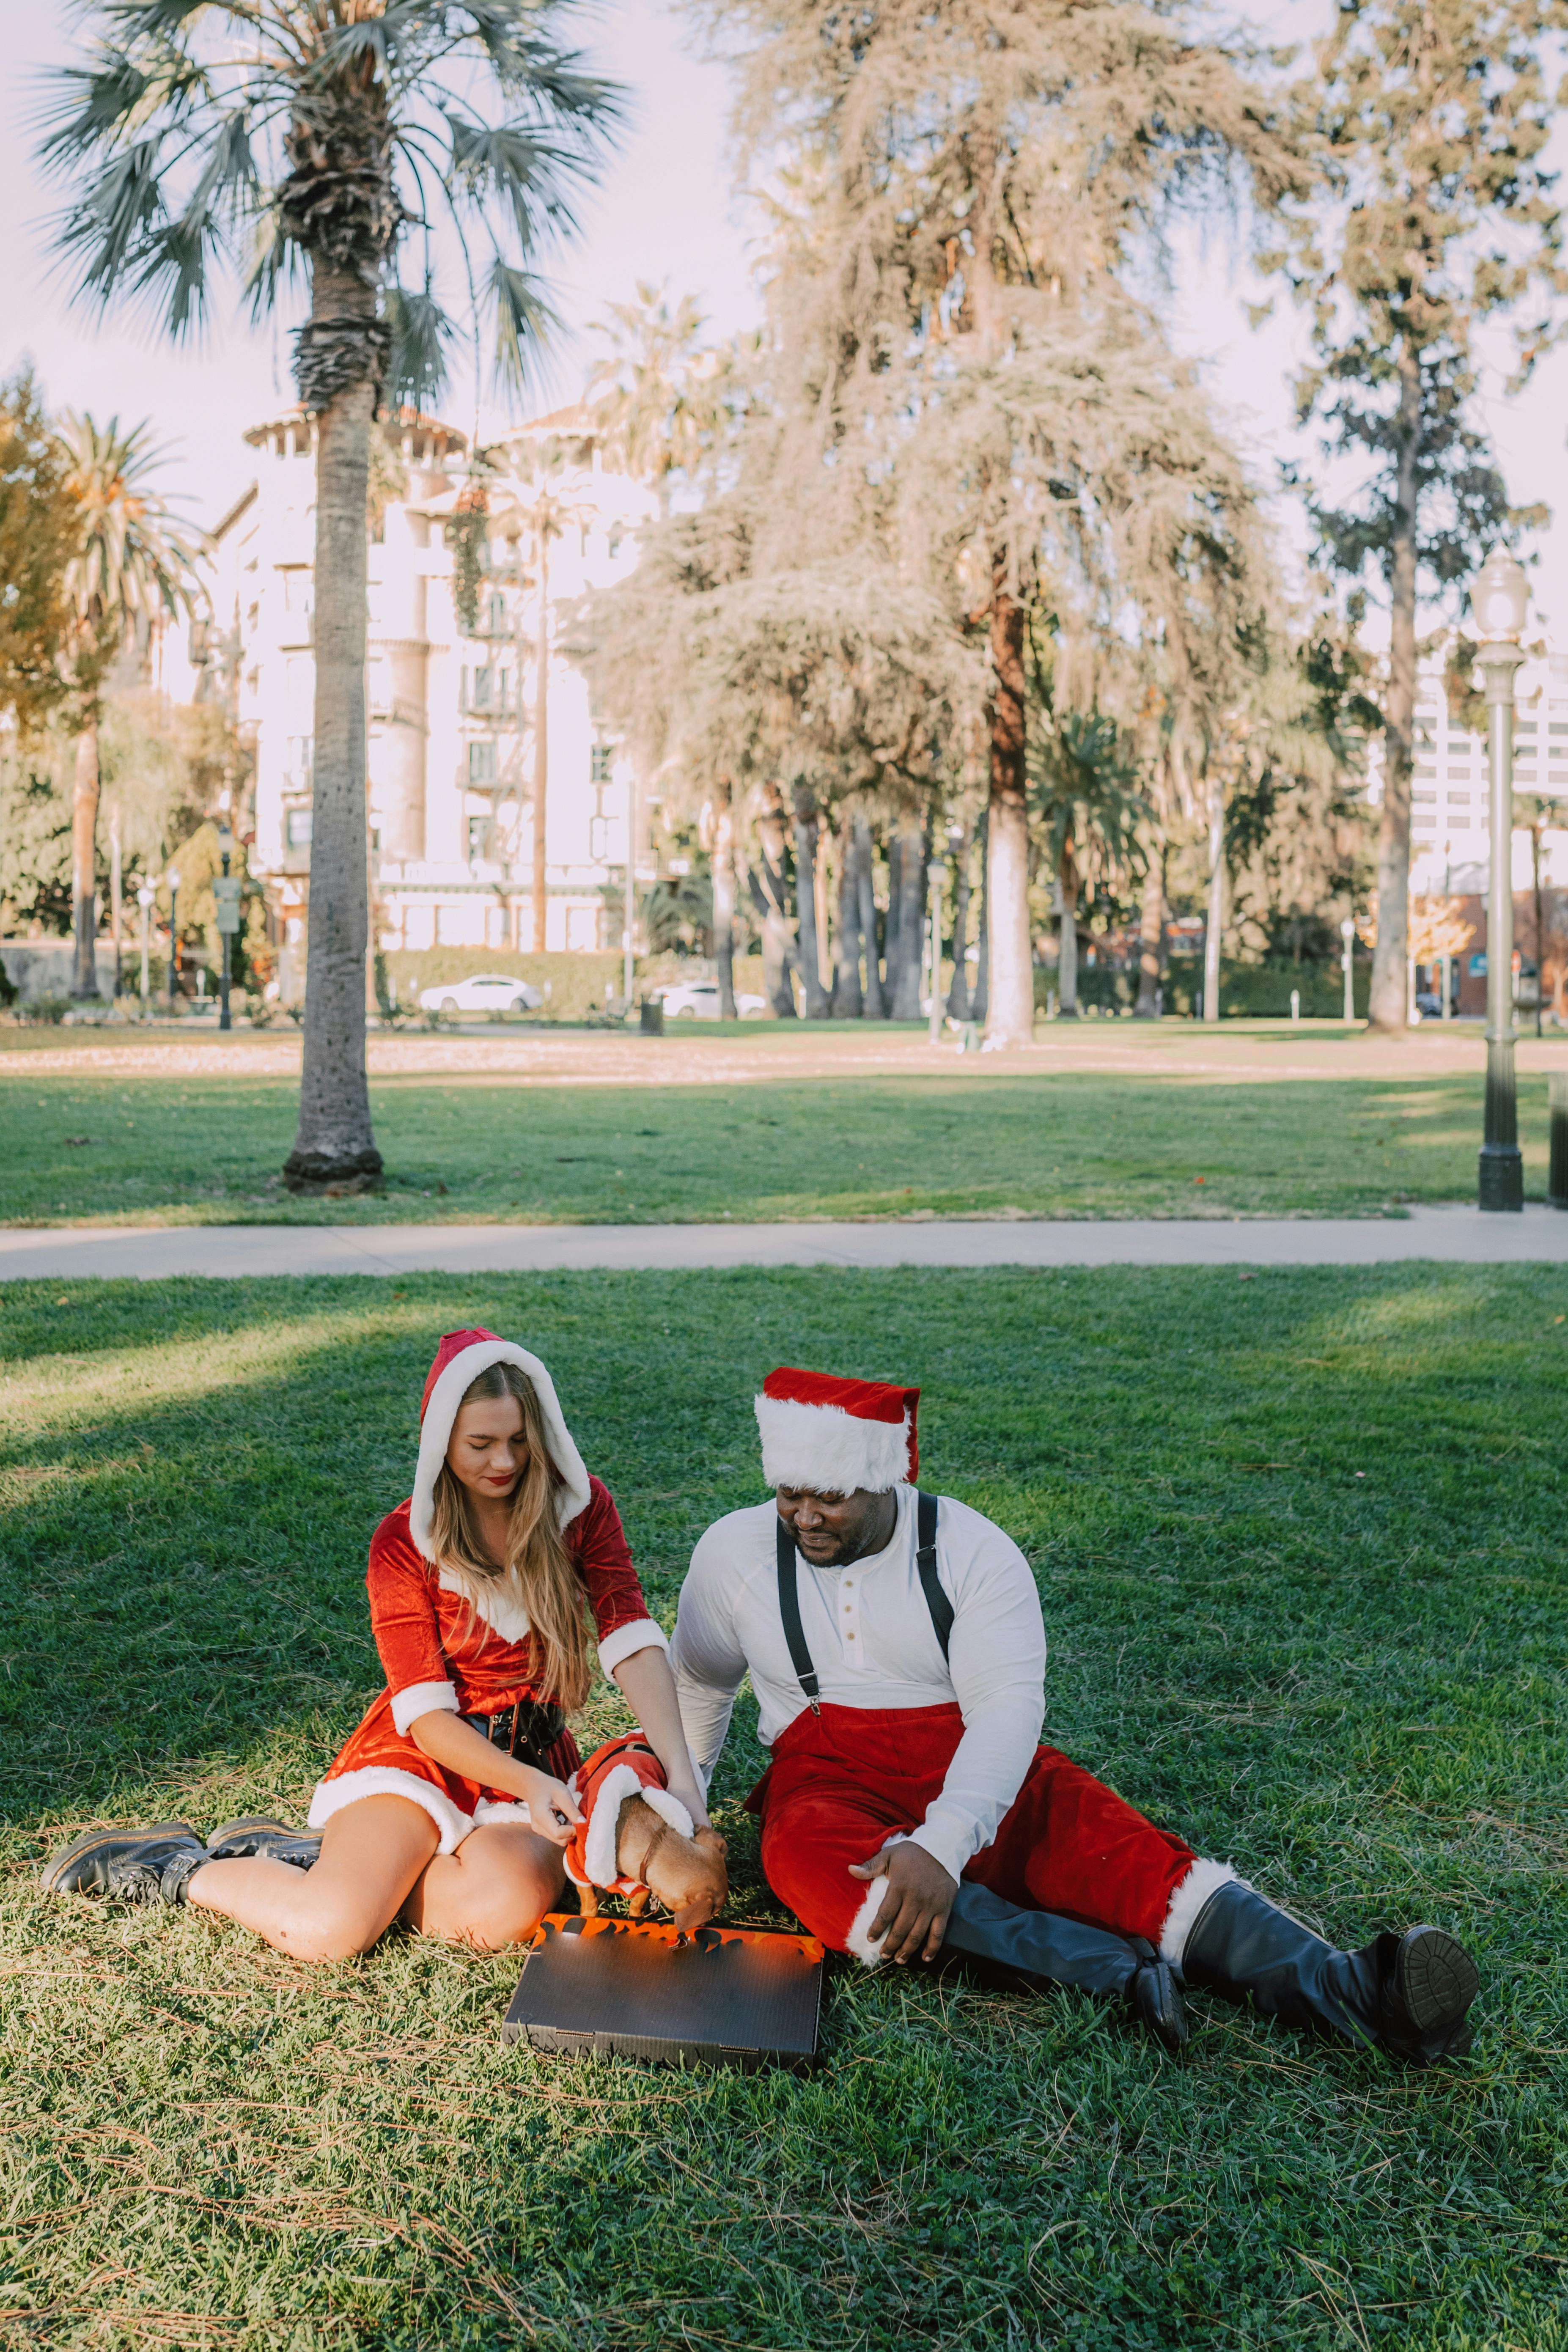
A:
(684, 1875)
(636, 1840)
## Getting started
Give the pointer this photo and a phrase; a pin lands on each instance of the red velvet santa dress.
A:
(439, 1650)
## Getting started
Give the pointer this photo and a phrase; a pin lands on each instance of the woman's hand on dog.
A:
(912, 1920)
(553, 1809)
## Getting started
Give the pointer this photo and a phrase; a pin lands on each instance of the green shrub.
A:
(1248, 992)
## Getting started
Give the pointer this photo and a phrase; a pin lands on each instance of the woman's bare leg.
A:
(492, 1892)
(372, 1854)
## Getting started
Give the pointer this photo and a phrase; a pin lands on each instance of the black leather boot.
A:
(1042, 1945)
(255, 1834)
(152, 1866)
(1404, 1993)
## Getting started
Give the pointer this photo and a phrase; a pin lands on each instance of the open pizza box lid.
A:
(620, 1988)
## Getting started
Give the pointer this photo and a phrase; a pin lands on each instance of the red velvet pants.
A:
(842, 1783)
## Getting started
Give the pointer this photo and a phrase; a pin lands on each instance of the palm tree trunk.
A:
(542, 749)
(1387, 1008)
(724, 896)
(1011, 980)
(865, 886)
(1214, 927)
(906, 916)
(1067, 954)
(958, 994)
(1151, 939)
(115, 888)
(768, 896)
(979, 996)
(817, 1007)
(335, 1144)
(848, 1004)
(84, 835)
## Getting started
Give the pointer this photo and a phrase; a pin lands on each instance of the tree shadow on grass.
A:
(1300, 1543)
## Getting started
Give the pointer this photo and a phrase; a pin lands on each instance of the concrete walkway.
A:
(1452, 1236)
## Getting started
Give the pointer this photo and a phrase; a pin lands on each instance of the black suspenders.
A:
(937, 1602)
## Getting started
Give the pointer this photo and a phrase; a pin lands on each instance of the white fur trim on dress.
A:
(1188, 1900)
(829, 1450)
(627, 1640)
(386, 1780)
(599, 1859)
(436, 1433)
(422, 1698)
(499, 1606)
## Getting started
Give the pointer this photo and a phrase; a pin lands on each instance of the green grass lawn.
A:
(1300, 1541)
(208, 1151)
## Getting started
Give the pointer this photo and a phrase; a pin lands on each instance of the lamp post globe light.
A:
(1501, 601)
(174, 882)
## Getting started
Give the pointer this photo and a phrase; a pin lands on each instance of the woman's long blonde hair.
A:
(539, 1571)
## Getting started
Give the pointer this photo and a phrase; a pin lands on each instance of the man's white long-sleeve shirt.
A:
(873, 1645)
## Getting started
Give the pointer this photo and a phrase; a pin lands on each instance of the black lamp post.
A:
(173, 929)
(226, 914)
(1501, 601)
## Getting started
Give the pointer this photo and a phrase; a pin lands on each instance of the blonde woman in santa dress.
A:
(449, 1807)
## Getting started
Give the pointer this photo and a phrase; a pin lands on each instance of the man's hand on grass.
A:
(912, 1920)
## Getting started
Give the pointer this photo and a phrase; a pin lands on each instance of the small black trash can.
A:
(1557, 1163)
(652, 1021)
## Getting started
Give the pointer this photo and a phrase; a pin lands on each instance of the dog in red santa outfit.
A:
(909, 1812)
(451, 1805)
(638, 1839)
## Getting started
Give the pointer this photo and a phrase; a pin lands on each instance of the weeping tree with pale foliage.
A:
(134, 566)
(978, 178)
(320, 139)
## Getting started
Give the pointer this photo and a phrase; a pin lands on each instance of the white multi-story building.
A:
(453, 715)
(1450, 845)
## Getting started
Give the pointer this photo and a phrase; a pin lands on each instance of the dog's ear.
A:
(710, 1837)
(695, 1913)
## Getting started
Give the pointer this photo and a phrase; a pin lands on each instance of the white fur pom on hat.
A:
(461, 1357)
(836, 1435)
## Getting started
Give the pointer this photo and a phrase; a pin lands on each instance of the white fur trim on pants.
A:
(829, 1450)
(1187, 1901)
(859, 1939)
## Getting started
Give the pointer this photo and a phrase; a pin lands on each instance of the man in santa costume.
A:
(896, 1647)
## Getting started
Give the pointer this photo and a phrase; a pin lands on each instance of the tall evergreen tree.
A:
(37, 540)
(285, 134)
(1430, 119)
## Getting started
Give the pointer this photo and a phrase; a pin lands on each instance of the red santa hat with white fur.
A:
(835, 1435)
(461, 1357)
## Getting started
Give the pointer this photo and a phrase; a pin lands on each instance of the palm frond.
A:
(524, 325)
(417, 366)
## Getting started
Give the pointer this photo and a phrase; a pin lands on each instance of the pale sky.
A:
(664, 213)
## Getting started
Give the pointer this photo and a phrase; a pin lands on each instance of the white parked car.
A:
(698, 1000)
(482, 992)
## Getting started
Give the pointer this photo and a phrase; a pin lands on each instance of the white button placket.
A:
(849, 1624)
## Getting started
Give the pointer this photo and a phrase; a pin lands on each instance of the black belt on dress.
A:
(528, 1730)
